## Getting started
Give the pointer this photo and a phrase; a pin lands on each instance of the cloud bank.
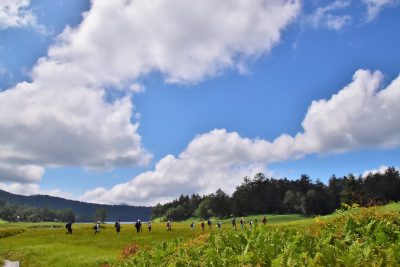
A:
(360, 115)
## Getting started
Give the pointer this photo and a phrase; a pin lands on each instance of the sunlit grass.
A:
(46, 244)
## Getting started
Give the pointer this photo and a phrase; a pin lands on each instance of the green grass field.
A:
(46, 244)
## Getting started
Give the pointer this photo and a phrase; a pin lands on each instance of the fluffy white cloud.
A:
(359, 116)
(16, 14)
(185, 41)
(374, 7)
(382, 169)
(28, 189)
(325, 17)
(214, 160)
(62, 117)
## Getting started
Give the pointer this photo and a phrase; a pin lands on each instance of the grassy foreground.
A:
(46, 244)
(285, 237)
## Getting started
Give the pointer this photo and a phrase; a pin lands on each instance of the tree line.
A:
(261, 195)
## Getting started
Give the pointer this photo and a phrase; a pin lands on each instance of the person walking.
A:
(219, 225)
(69, 228)
(97, 228)
(242, 222)
(117, 226)
(138, 226)
(149, 226)
(264, 220)
(251, 223)
(233, 221)
(209, 223)
(192, 226)
(202, 225)
(169, 226)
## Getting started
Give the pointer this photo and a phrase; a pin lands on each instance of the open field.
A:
(46, 244)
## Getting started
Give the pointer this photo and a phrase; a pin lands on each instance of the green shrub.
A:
(368, 237)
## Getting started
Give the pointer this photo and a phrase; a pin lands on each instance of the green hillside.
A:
(83, 211)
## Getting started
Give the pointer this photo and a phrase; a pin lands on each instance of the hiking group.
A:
(233, 222)
(138, 225)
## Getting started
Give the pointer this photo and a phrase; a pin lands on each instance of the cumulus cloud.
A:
(361, 115)
(374, 7)
(28, 189)
(62, 117)
(213, 160)
(381, 170)
(185, 41)
(325, 17)
(16, 14)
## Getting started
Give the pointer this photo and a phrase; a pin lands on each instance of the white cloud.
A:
(28, 189)
(374, 7)
(325, 17)
(61, 118)
(358, 116)
(185, 41)
(16, 14)
(382, 169)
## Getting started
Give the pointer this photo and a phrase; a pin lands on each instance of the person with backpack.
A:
(264, 220)
(69, 228)
(138, 226)
(96, 228)
(219, 224)
(202, 225)
(242, 222)
(149, 226)
(209, 223)
(117, 226)
(233, 221)
(169, 226)
(192, 226)
(251, 223)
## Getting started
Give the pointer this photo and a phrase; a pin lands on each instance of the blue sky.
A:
(144, 105)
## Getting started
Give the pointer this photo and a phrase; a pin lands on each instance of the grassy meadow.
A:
(46, 244)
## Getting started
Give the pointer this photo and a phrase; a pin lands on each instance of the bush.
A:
(367, 237)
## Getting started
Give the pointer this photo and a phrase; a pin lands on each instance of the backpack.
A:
(66, 226)
(95, 227)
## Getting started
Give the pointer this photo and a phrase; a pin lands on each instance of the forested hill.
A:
(82, 210)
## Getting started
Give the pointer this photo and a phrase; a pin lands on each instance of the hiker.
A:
(118, 225)
(202, 225)
(209, 223)
(242, 222)
(234, 222)
(264, 220)
(219, 224)
(69, 228)
(251, 223)
(192, 226)
(149, 226)
(97, 228)
(169, 226)
(138, 226)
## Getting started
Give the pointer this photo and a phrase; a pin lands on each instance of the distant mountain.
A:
(83, 211)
